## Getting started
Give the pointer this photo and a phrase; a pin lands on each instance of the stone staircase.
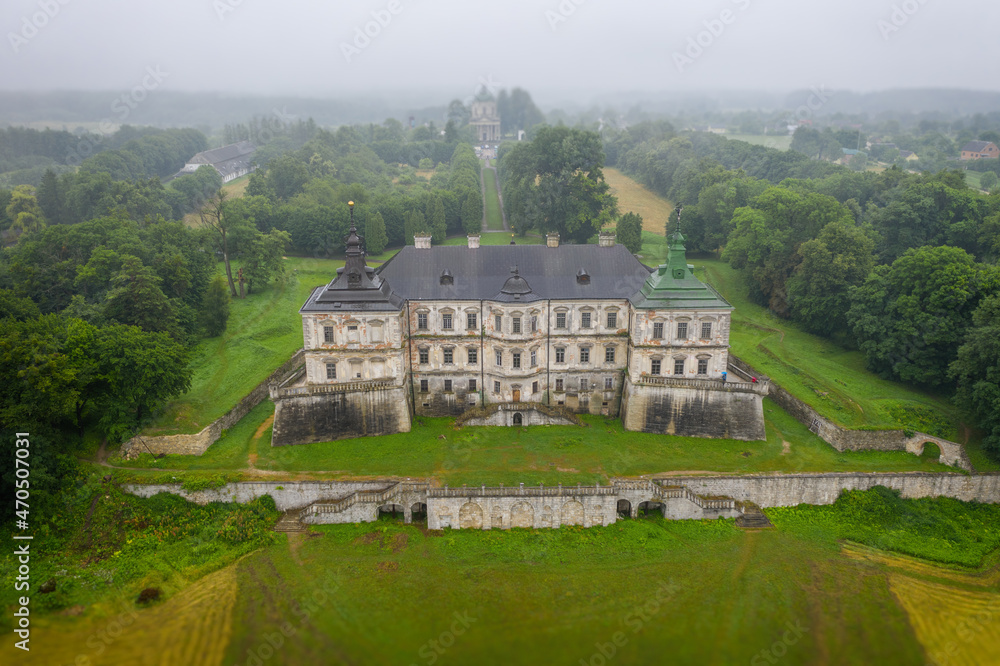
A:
(290, 521)
(753, 518)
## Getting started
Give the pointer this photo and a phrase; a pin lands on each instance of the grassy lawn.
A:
(702, 592)
(494, 218)
(633, 197)
(766, 140)
(594, 453)
(820, 372)
(264, 331)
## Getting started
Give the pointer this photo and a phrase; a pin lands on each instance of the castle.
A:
(521, 333)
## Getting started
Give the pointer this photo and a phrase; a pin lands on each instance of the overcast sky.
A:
(313, 47)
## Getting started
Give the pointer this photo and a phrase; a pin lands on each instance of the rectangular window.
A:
(447, 386)
(682, 330)
(515, 325)
(585, 355)
(423, 386)
(517, 359)
(654, 367)
(352, 330)
(425, 355)
(534, 324)
(328, 335)
(449, 356)
(446, 322)
(498, 323)
(559, 384)
(658, 330)
(706, 330)
(584, 385)
(609, 354)
(496, 387)
(612, 320)
(679, 366)
(422, 321)
(534, 387)
(560, 354)
(534, 358)
(331, 370)
(585, 320)
(473, 356)
(560, 320)
(499, 358)
(472, 385)
(702, 366)
(609, 383)
(471, 320)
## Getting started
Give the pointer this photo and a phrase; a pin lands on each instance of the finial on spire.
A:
(680, 207)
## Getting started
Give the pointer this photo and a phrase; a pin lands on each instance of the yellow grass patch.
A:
(985, 578)
(193, 627)
(633, 197)
(956, 627)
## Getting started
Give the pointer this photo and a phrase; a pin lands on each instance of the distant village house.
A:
(978, 150)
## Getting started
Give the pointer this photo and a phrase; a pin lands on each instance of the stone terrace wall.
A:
(844, 439)
(287, 494)
(793, 489)
(197, 444)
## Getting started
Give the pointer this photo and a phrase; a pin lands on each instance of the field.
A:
(766, 140)
(494, 217)
(264, 331)
(542, 454)
(702, 592)
(633, 197)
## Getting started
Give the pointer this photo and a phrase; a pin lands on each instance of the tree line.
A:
(901, 265)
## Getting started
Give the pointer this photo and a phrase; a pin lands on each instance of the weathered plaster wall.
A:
(287, 494)
(689, 412)
(327, 417)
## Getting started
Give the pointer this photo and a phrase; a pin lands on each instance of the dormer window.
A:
(582, 277)
(447, 277)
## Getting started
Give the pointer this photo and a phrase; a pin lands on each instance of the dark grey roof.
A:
(223, 154)
(976, 146)
(542, 272)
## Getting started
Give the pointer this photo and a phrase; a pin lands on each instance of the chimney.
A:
(422, 241)
(552, 239)
(473, 241)
(607, 239)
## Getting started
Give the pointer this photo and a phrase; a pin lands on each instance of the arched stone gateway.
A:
(419, 511)
(572, 513)
(518, 418)
(393, 510)
(470, 516)
(624, 508)
(522, 514)
(649, 508)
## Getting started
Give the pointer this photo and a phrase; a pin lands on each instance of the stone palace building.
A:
(521, 333)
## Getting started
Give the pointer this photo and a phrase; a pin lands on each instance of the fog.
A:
(440, 48)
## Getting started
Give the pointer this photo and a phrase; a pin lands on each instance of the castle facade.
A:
(436, 331)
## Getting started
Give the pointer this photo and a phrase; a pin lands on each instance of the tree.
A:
(629, 231)
(217, 219)
(556, 184)
(977, 370)
(436, 219)
(23, 210)
(50, 198)
(263, 256)
(140, 371)
(472, 212)
(414, 225)
(135, 299)
(215, 308)
(818, 292)
(909, 318)
(375, 237)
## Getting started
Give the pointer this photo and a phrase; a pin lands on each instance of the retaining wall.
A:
(198, 443)
(287, 495)
(844, 439)
(693, 412)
